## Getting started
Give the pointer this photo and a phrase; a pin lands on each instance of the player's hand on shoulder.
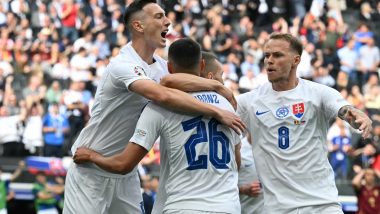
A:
(225, 92)
(83, 155)
(231, 120)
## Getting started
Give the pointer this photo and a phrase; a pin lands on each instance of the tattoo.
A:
(343, 111)
(344, 114)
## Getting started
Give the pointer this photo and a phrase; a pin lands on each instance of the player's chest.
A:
(294, 112)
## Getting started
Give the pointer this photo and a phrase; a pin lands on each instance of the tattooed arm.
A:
(357, 119)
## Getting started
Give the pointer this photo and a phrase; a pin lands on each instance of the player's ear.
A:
(210, 75)
(138, 26)
(170, 67)
(296, 59)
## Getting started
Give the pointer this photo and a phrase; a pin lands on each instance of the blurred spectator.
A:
(304, 68)
(5, 193)
(249, 64)
(76, 109)
(11, 132)
(45, 195)
(356, 98)
(372, 100)
(348, 60)
(150, 188)
(367, 191)
(362, 36)
(369, 60)
(54, 93)
(339, 139)
(68, 17)
(32, 135)
(248, 81)
(55, 126)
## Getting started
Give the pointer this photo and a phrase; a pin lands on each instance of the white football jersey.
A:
(116, 109)
(248, 174)
(289, 130)
(198, 167)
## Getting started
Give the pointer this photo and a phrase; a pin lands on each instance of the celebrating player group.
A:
(277, 130)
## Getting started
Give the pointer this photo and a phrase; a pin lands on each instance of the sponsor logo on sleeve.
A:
(139, 71)
(141, 133)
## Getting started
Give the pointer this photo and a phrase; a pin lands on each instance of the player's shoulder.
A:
(213, 98)
(314, 87)
(159, 59)
(254, 94)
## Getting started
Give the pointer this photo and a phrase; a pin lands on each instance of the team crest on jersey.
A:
(298, 110)
(282, 112)
(139, 71)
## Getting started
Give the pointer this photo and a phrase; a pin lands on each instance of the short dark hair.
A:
(209, 59)
(185, 54)
(135, 7)
(294, 43)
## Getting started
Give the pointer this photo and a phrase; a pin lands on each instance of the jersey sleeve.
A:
(332, 101)
(125, 73)
(242, 107)
(149, 126)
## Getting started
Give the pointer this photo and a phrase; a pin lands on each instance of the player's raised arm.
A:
(121, 163)
(357, 119)
(183, 102)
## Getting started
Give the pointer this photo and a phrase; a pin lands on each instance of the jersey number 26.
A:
(214, 138)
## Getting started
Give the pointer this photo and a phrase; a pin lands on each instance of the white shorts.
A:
(190, 212)
(48, 211)
(3, 211)
(319, 209)
(252, 205)
(87, 192)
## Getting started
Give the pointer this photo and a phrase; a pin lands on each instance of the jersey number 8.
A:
(214, 138)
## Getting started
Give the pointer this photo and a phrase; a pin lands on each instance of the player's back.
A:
(198, 167)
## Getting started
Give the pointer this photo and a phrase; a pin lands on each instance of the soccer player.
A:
(198, 167)
(130, 81)
(213, 68)
(288, 120)
(250, 193)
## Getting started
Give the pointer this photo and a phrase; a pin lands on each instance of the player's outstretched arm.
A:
(357, 119)
(191, 83)
(183, 102)
(121, 163)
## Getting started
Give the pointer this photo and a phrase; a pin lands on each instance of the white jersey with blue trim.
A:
(198, 167)
(116, 109)
(289, 130)
(248, 174)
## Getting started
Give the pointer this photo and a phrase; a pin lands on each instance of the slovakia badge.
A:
(298, 109)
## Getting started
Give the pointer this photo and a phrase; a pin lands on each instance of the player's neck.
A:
(145, 52)
(285, 84)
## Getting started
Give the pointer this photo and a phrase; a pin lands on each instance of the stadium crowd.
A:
(54, 52)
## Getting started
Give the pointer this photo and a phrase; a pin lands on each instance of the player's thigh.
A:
(322, 209)
(85, 192)
(127, 196)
